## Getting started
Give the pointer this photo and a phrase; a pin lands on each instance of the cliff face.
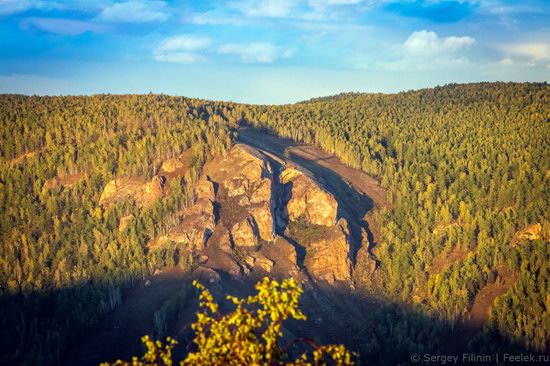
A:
(254, 215)
(307, 199)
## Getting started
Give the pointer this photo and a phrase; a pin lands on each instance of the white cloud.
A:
(184, 42)
(62, 26)
(14, 6)
(506, 62)
(428, 43)
(425, 50)
(189, 48)
(184, 48)
(8, 7)
(528, 54)
(266, 8)
(216, 18)
(261, 52)
(135, 11)
(532, 51)
(179, 57)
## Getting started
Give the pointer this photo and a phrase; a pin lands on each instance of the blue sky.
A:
(267, 51)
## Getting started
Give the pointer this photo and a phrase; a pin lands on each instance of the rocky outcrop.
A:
(64, 181)
(171, 166)
(365, 265)
(198, 221)
(144, 193)
(531, 232)
(327, 257)
(245, 177)
(306, 198)
(240, 197)
(263, 218)
(259, 261)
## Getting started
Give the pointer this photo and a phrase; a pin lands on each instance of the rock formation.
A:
(533, 232)
(144, 193)
(231, 225)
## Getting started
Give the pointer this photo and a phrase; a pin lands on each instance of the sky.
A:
(267, 51)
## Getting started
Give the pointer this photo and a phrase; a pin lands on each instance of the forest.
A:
(466, 168)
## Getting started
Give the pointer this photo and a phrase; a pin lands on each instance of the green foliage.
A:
(247, 336)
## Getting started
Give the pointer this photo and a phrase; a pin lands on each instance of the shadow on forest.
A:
(382, 332)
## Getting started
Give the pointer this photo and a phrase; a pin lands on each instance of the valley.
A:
(414, 222)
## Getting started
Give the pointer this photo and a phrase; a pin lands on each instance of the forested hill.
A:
(467, 169)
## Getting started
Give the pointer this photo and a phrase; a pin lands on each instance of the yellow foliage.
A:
(247, 336)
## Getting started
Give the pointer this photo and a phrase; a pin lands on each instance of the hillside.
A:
(416, 222)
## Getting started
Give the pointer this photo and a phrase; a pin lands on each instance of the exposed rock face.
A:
(259, 261)
(531, 232)
(365, 265)
(65, 181)
(171, 166)
(246, 178)
(306, 198)
(150, 192)
(198, 221)
(327, 255)
(244, 233)
(263, 218)
(205, 190)
(144, 193)
(239, 199)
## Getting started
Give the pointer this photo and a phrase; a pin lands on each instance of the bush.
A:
(247, 336)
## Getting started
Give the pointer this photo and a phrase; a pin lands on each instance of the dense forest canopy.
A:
(467, 169)
(59, 242)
